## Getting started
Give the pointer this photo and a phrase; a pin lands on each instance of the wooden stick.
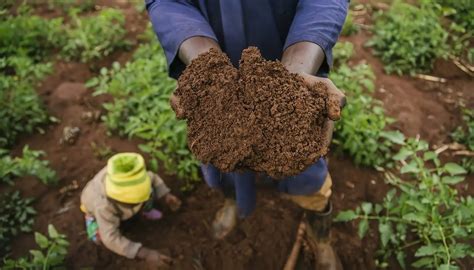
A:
(430, 78)
(295, 250)
(468, 69)
(464, 153)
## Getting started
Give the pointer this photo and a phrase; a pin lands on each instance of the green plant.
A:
(16, 215)
(51, 255)
(28, 164)
(423, 211)
(342, 52)
(28, 35)
(460, 11)
(349, 28)
(465, 134)
(21, 110)
(468, 164)
(460, 24)
(141, 91)
(362, 129)
(65, 5)
(89, 38)
(408, 39)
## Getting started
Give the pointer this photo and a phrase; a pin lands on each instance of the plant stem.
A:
(411, 244)
(446, 249)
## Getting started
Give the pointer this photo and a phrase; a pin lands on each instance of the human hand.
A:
(177, 108)
(335, 104)
(336, 98)
(173, 202)
(153, 258)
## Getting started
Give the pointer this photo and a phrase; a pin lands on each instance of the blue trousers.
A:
(243, 183)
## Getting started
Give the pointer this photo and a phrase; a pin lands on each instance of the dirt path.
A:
(264, 239)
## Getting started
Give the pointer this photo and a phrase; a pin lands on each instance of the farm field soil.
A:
(264, 239)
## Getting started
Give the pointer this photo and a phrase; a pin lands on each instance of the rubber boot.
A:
(226, 217)
(318, 231)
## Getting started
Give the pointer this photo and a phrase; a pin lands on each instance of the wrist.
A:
(303, 57)
(142, 253)
(192, 47)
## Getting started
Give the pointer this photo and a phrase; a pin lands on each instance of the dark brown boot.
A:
(317, 232)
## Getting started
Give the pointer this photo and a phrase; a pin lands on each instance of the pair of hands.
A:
(303, 58)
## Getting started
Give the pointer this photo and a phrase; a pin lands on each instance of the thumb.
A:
(336, 101)
(336, 98)
(176, 106)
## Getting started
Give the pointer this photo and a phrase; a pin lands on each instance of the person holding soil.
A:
(119, 192)
(300, 33)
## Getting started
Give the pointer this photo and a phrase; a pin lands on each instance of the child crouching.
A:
(118, 192)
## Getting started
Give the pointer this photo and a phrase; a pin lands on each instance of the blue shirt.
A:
(270, 25)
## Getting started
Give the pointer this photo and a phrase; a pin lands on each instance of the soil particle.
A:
(260, 117)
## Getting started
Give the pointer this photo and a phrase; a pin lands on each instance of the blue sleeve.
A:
(320, 22)
(174, 21)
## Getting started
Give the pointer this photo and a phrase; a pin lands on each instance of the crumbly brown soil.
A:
(260, 117)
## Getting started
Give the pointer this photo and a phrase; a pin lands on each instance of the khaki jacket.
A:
(109, 214)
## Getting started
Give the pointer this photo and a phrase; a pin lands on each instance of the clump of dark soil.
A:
(260, 117)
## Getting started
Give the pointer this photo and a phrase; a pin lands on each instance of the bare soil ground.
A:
(264, 239)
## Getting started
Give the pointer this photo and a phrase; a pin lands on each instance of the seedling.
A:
(50, 255)
(423, 203)
(29, 164)
(16, 216)
(408, 39)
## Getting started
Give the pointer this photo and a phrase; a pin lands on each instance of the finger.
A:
(166, 259)
(336, 101)
(177, 205)
(176, 106)
(336, 98)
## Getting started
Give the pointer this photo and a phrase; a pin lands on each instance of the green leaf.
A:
(447, 267)
(41, 240)
(452, 179)
(425, 262)
(145, 148)
(344, 216)
(425, 251)
(429, 155)
(363, 228)
(38, 255)
(410, 168)
(402, 154)
(454, 169)
(394, 136)
(385, 231)
(52, 231)
(415, 217)
(366, 208)
(154, 164)
(401, 259)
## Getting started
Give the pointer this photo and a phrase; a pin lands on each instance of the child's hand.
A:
(153, 258)
(173, 202)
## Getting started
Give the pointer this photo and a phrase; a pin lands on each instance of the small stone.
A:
(90, 116)
(70, 135)
(350, 184)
